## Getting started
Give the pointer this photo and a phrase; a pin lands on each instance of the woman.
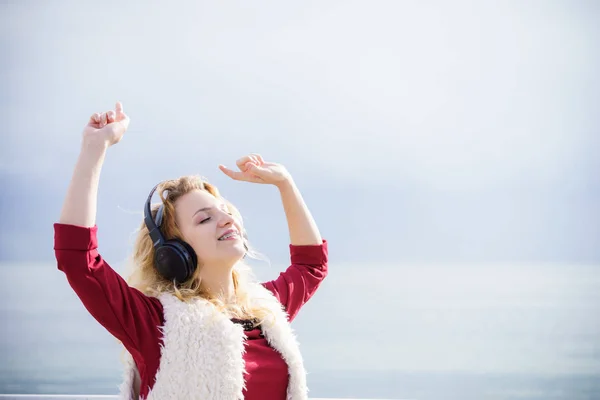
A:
(193, 321)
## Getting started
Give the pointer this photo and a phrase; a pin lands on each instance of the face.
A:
(207, 226)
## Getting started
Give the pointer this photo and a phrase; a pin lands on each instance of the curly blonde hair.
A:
(146, 278)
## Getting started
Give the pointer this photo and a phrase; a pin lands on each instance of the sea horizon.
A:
(427, 332)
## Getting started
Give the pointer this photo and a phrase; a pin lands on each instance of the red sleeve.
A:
(299, 282)
(125, 312)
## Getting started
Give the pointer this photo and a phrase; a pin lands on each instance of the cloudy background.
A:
(436, 143)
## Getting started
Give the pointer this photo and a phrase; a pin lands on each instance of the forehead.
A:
(192, 201)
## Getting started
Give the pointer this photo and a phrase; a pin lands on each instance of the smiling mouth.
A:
(229, 236)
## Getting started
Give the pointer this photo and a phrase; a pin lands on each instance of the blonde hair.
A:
(146, 278)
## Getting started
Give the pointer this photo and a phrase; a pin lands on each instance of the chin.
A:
(237, 250)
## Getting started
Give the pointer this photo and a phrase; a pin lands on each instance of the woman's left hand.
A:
(254, 169)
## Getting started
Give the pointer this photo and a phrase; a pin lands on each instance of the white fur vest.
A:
(202, 353)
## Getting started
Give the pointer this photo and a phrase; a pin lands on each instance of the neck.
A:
(220, 285)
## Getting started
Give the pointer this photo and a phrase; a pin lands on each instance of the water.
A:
(421, 332)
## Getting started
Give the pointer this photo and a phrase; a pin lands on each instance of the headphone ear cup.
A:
(176, 260)
(190, 255)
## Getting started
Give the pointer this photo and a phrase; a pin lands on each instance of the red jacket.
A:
(133, 317)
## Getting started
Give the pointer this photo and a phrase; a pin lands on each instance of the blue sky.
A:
(448, 151)
(429, 131)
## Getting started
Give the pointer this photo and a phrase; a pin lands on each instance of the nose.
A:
(226, 219)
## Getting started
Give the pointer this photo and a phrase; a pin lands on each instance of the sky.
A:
(434, 132)
(447, 150)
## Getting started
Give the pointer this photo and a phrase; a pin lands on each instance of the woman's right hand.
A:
(107, 128)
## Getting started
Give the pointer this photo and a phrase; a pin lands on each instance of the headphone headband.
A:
(152, 225)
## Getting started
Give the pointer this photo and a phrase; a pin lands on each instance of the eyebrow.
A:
(202, 209)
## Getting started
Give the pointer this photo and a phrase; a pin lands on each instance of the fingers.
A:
(103, 120)
(238, 176)
(241, 163)
(95, 119)
(259, 158)
(254, 173)
(110, 116)
(253, 158)
(120, 115)
(242, 176)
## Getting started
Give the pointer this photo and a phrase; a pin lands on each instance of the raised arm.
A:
(308, 251)
(301, 224)
(101, 132)
(124, 311)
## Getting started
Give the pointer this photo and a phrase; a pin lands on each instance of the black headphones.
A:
(173, 259)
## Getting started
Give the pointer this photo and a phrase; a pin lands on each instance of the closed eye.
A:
(204, 220)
